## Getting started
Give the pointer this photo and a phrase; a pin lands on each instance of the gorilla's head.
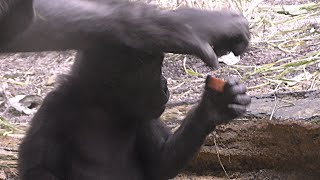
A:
(144, 92)
(126, 80)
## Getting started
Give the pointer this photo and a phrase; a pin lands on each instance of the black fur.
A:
(43, 25)
(102, 121)
(15, 17)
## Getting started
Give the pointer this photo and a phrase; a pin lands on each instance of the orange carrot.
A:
(216, 84)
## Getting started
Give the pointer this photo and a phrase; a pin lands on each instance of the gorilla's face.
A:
(145, 92)
(128, 80)
(153, 96)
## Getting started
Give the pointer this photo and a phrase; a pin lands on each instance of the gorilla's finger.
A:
(238, 89)
(240, 48)
(208, 56)
(241, 44)
(242, 37)
(242, 99)
(237, 109)
(233, 81)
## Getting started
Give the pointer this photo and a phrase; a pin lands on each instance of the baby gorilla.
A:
(102, 122)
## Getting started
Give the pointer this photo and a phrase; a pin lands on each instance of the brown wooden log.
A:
(279, 132)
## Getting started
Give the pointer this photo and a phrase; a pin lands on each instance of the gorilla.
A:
(102, 121)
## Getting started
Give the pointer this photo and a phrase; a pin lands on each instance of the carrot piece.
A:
(216, 84)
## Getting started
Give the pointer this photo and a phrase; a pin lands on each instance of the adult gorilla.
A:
(40, 25)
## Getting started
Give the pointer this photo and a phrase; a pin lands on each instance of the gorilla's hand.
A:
(226, 31)
(222, 107)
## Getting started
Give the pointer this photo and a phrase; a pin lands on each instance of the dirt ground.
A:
(262, 174)
(295, 39)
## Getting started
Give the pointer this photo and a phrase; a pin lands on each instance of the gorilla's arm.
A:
(42, 152)
(225, 30)
(76, 24)
(164, 153)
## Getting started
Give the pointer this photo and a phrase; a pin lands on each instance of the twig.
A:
(218, 155)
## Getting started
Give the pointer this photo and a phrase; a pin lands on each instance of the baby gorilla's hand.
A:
(226, 31)
(222, 107)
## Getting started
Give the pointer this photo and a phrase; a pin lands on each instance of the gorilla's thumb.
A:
(209, 56)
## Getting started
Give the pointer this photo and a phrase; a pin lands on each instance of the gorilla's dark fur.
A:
(102, 122)
(41, 25)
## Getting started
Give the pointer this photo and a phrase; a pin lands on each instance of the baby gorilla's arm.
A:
(164, 154)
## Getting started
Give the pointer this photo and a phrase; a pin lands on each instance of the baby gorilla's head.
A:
(144, 89)
(126, 80)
